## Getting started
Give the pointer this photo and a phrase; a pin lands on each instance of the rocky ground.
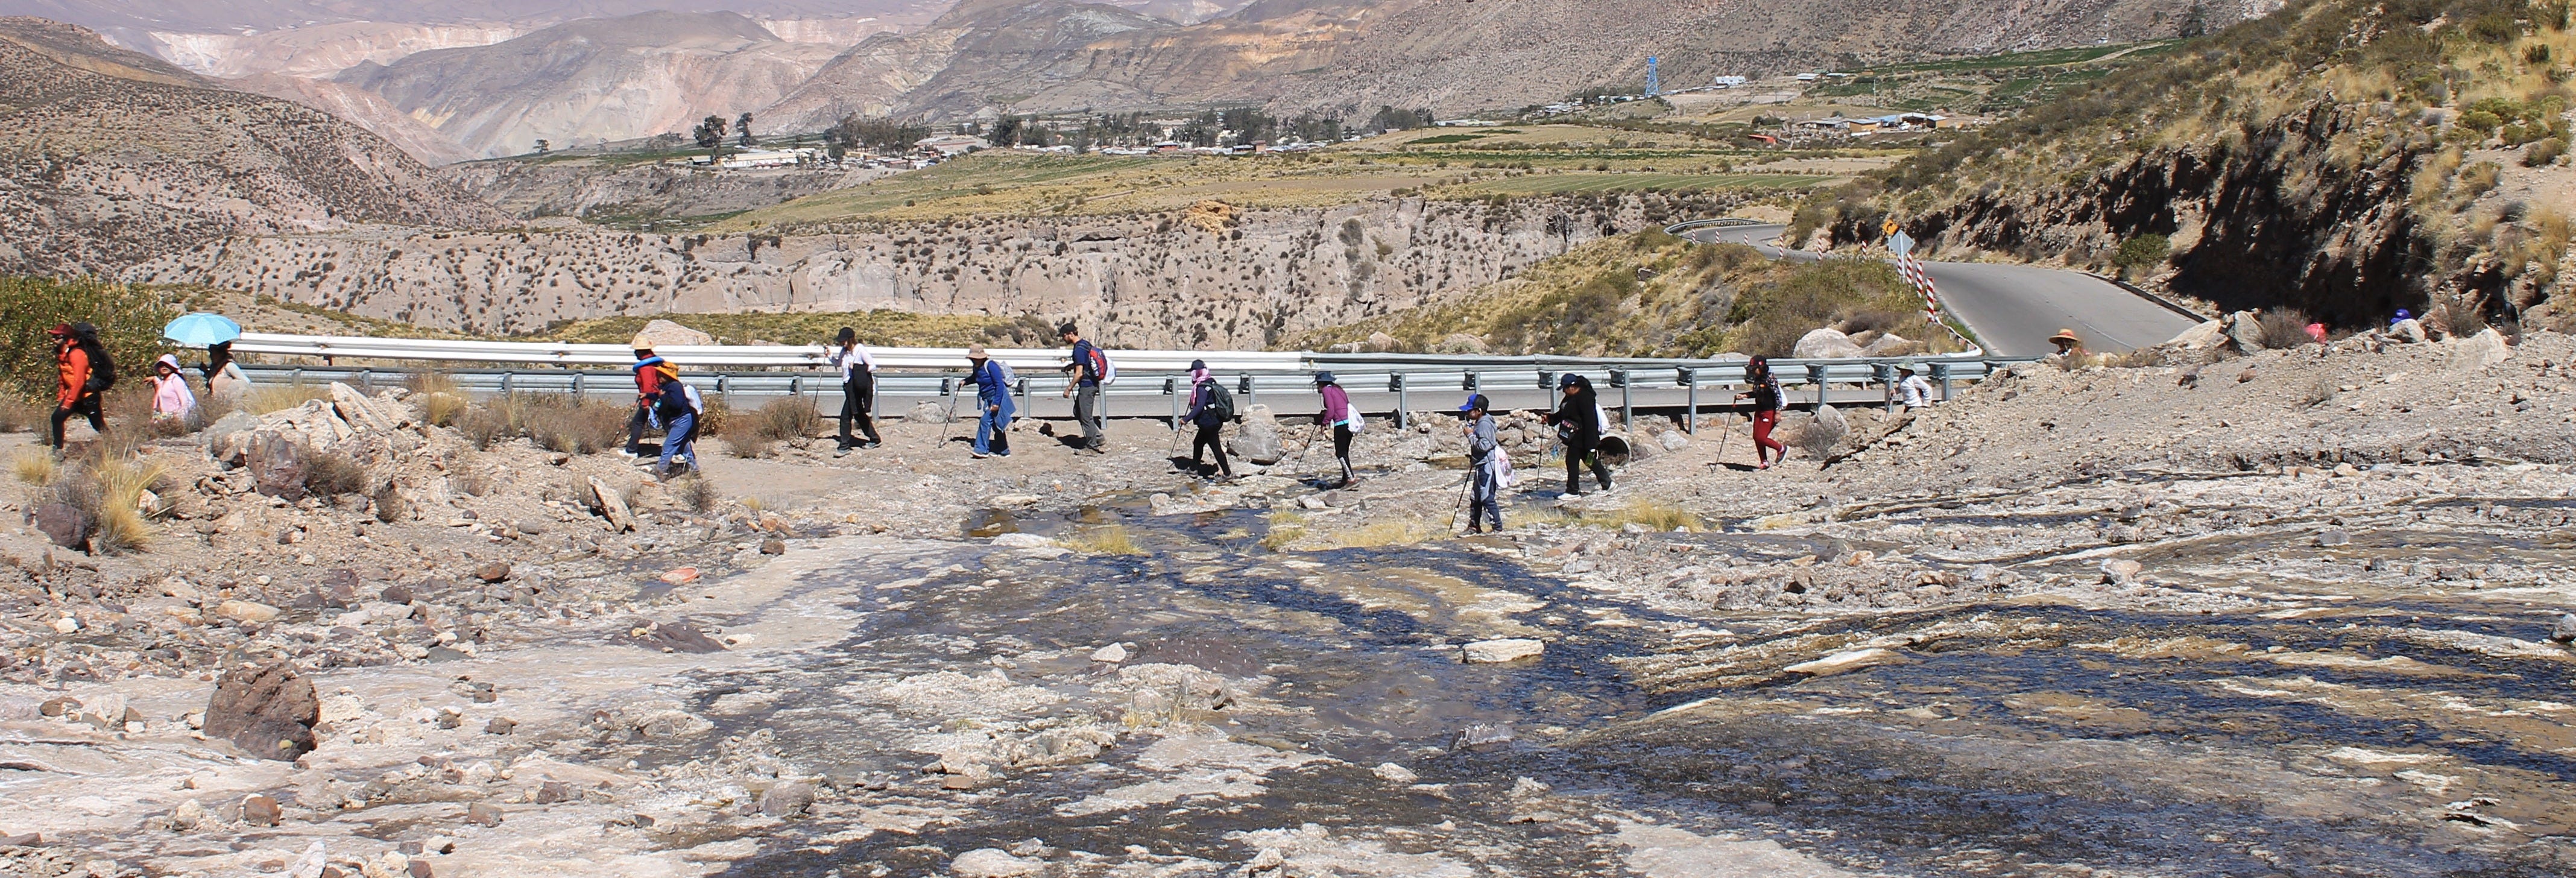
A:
(2235, 612)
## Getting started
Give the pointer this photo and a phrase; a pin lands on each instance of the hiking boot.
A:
(978, 455)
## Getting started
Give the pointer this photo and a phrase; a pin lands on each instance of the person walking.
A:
(992, 382)
(1765, 393)
(83, 374)
(1089, 368)
(680, 410)
(858, 390)
(1346, 422)
(648, 389)
(1485, 463)
(225, 380)
(1579, 423)
(1210, 408)
(1915, 389)
(171, 398)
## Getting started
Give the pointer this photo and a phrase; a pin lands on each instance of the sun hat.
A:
(641, 343)
(1325, 377)
(2067, 336)
(975, 352)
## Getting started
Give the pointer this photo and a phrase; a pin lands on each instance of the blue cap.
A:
(1475, 403)
(1325, 377)
(1566, 380)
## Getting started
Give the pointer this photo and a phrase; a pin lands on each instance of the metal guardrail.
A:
(1378, 383)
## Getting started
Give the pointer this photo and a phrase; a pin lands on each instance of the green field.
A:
(1547, 184)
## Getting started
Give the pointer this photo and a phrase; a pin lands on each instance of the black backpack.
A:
(1220, 403)
(102, 370)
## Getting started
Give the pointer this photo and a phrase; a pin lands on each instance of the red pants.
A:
(1762, 424)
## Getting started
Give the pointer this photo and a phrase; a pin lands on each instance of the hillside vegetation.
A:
(2344, 157)
(1651, 294)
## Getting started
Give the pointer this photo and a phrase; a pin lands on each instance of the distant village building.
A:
(1729, 81)
(952, 144)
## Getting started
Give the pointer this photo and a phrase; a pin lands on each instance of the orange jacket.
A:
(75, 372)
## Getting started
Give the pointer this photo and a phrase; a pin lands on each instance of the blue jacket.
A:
(989, 389)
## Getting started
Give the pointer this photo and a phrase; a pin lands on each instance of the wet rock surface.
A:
(1972, 645)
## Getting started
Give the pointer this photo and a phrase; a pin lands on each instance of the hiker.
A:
(84, 374)
(992, 382)
(648, 388)
(679, 409)
(171, 398)
(1765, 393)
(224, 378)
(2066, 342)
(858, 386)
(1486, 464)
(1090, 367)
(1579, 423)
(1210, 408)
(1916, 390)
(1346, 422)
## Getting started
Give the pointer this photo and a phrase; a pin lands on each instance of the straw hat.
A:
(2066, 336)
(641, 343)
(975, 352)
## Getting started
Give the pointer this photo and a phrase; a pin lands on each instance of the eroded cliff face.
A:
(606, 192)
(2264, 218)
(1211, 276)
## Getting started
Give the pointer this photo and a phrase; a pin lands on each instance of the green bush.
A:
(2542, 153)
(129, 321)
(2142, 251)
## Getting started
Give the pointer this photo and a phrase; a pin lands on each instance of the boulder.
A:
(64, 524)
(1673, 440)
(671, 637)
(787, 799)
(1890, 345)
(664, 333)
(1460, 343)
(227, 438)
(1825, 344)
(1257, 438)
(611, 505)
(2566, 630)
(276, 464)
(2408, 330)
(246, 611)
(2209, 333)
(267, 710)
(927, 412)
(2244, 331)
(2479, 351)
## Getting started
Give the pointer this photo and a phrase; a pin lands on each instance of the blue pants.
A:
(1483, 499)
(989, 435)
(676, 441)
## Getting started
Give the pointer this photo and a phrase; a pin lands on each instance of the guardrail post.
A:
(948, 391)
(1816, 376)
(1395, 382)
(367, 380)
(1023, 391)
(1171, 388)
(796, 386)
(505, 380)
(1689, 379)
(576, 382)
(1627, 400)
(1885, 374)
(1245, 387)
(1468, 385)
(1941, 373)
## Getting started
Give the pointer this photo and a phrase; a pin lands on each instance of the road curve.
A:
(2015, 308)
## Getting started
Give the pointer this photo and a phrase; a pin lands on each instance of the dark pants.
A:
(87, 406)
(1086, 411)
(635, 427)
(855, 405)
(1342, 450)
(1579, 450)
(1484, 498)
(1208, 440)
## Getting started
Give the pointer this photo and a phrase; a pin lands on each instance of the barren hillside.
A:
(113, 157)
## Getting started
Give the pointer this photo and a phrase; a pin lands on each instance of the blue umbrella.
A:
(201, 329)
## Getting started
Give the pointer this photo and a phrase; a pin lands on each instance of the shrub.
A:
(34, 468)
(2142, 251)
(757, 433)
(695, 492)
(441, 401)
(331, 475)
(2283, 328)
(18, 414)
(485, 424)
(129, 321)
(108, 493)
(570, 424)
(2543, 152)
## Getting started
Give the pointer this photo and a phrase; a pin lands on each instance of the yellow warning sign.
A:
(1888, 228)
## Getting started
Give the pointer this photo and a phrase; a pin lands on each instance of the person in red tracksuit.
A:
(76, 390)
(1765, 394)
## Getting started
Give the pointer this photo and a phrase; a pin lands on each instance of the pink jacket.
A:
(171, 397)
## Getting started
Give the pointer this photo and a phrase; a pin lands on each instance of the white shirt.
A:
(855, 356)
(1917, 391)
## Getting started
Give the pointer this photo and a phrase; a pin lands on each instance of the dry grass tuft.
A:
(109, 494)
(696, 493)
(34, 468)
(757, 433)
(18, 414)
(277, 398)
(553, 421)
(331, 475)
(1657, 515)
(1285, 528)
(1393, 532)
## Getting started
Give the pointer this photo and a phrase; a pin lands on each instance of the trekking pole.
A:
(1466, 489)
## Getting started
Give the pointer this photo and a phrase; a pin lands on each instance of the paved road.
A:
(2015, 308)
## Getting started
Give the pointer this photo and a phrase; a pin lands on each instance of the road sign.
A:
(1887, 228)
(1899, 244)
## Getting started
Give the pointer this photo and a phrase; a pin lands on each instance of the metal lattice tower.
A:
(1654, 81)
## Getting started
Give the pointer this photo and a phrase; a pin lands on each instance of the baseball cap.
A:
(1476, 402)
